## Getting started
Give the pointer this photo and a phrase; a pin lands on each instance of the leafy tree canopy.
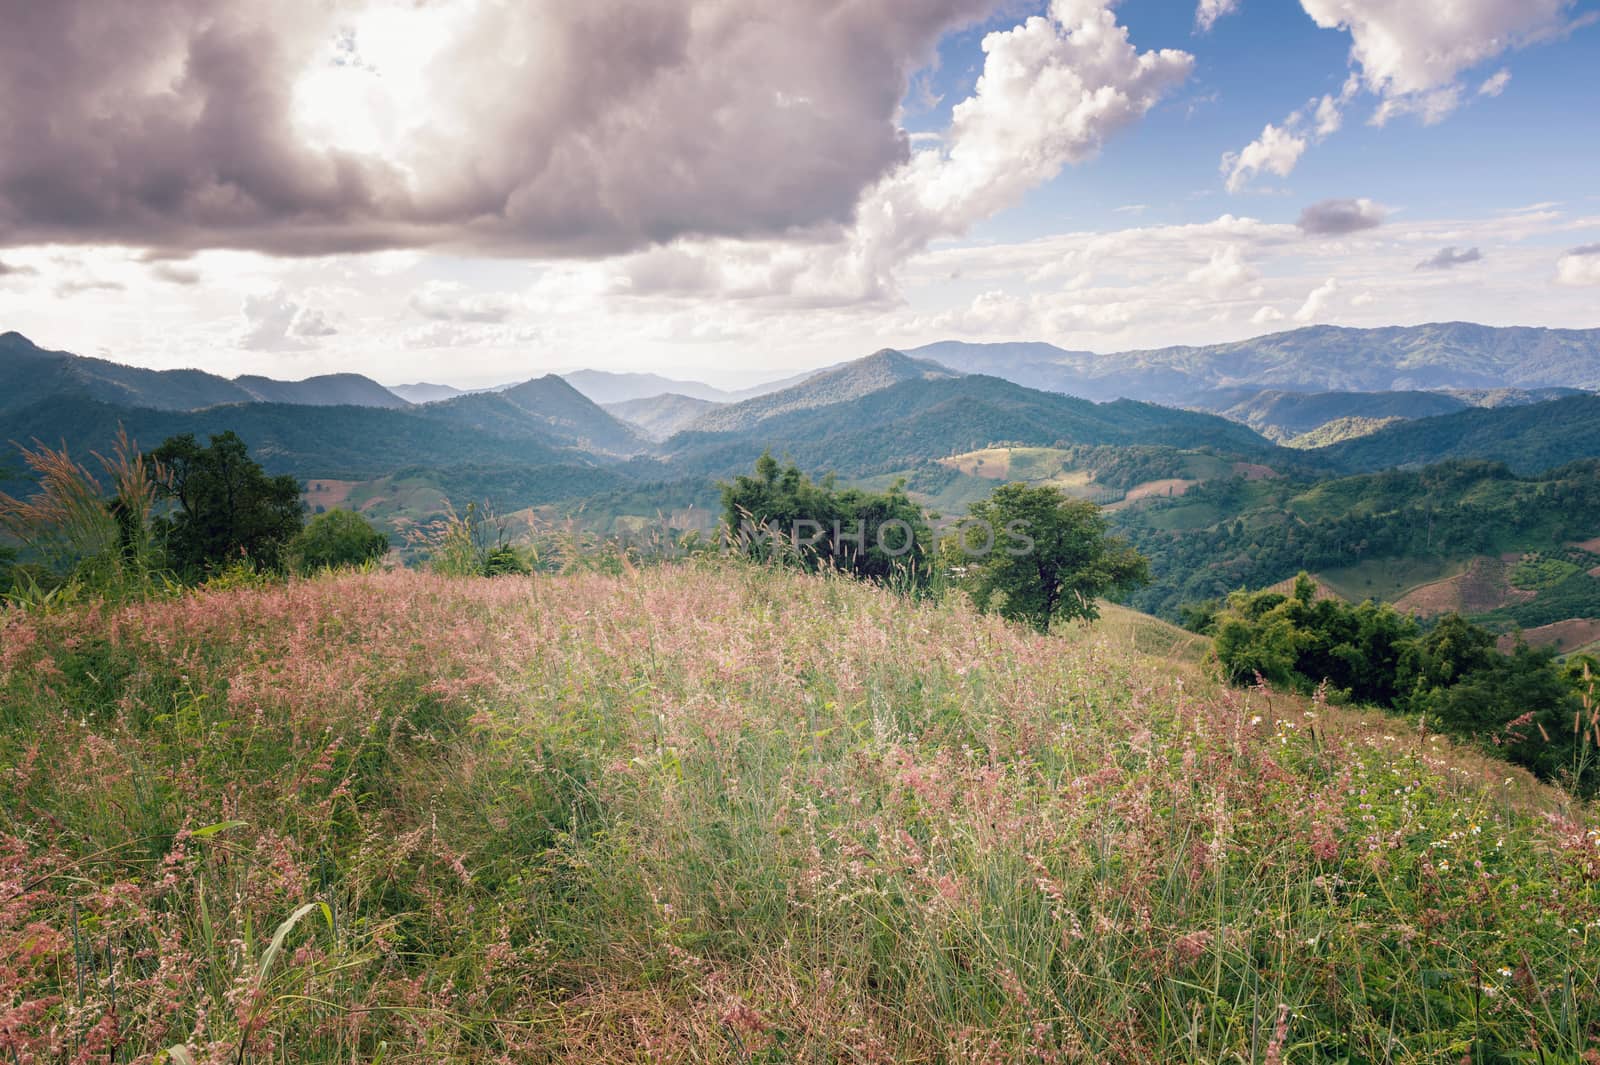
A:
(227, 507)
(1035, 554)
(1523, 706)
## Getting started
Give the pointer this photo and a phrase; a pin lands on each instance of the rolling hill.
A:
(339, 442)
(658, 417)
(1528, 439)
(548, 407)
(928, 418)
(1383, 536)
(841, 384)
(426, 392)
(1283, 416)
(29, 374)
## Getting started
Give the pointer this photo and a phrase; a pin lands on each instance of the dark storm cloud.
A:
(1446, 258)
(1335, 217)
(563, 128)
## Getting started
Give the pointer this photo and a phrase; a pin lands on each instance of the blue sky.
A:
(474, 192)
(1537, 142)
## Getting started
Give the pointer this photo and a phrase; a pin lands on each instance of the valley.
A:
(1245, 489)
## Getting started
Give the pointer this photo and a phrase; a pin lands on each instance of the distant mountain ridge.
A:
(1282, 416)
(1438, 356)
(605, 386)
(877, 371)
(29, 374)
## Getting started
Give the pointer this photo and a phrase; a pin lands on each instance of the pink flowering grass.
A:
(724, 813)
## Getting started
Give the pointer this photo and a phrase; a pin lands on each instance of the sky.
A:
(478, 191)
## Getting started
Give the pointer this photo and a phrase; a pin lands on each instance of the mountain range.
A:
(29, 374)
(889, 413)
(1446, 355)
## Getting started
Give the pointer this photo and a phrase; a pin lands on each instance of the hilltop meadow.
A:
(724, 812)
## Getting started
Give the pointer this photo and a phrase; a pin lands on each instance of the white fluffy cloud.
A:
(274, 322)
(1276, 151)
(1411, 52)
(1279, 148)
(1316, 304)
(1496, 83)
(1225, 271)
(1580, 266)
(1209, 11)
(454, 302)
(1052, 91)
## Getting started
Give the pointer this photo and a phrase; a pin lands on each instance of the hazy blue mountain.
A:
(604, 387)
(1280, 416)
(30, 374)
(839, 385)
(658, 417)
(328, 390)
(426, 392)
(1447, 355)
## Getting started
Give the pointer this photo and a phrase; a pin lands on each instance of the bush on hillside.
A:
(1523, 706)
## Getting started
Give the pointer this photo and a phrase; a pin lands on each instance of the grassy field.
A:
(725, 814)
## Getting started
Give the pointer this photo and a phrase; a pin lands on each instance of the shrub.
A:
(334, 539)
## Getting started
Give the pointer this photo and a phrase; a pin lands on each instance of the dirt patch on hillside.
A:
(1252, 471)
(1591, 546)
(994, 464)
(1564, 636)
(1484, 586)
(325, 493)
(1324, 590)
(1172, 486)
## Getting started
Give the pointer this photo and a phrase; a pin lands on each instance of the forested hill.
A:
(1232, 534)
(1528, 439)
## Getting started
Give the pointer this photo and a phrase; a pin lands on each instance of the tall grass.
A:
(730, 813)
(85, 532)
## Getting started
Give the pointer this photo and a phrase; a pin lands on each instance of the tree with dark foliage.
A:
(228, 509)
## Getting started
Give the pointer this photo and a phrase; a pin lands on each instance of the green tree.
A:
(228, 509)
(337, 538)
(1035, 554)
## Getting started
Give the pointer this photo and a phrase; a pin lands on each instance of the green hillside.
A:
(728, 814)
(1377, 535)
(29, 374)
(1528, 439)
(927, 419)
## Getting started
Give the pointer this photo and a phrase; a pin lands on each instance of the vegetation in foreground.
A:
(721, 812)
(1524, 706)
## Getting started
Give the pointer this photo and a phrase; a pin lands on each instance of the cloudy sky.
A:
(475, 191)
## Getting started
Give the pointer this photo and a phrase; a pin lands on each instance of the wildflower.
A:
(1503, 971)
